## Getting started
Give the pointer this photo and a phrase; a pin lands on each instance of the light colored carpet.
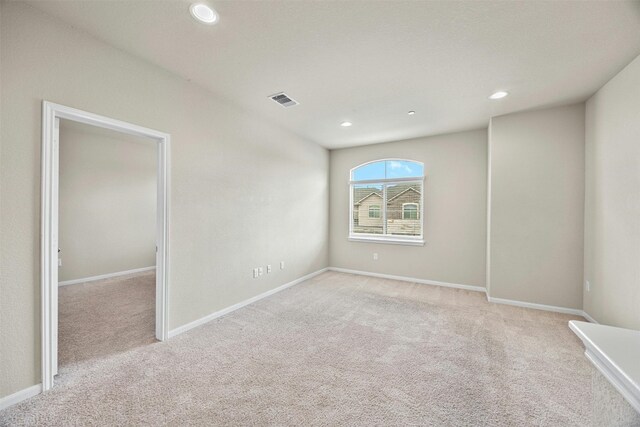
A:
(339, 349)
(104, 317)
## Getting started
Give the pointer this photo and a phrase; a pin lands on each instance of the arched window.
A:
(387, 201)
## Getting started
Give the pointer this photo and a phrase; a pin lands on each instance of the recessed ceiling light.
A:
(203, 13)
(499, 94)
(345, 124)
(411, 113)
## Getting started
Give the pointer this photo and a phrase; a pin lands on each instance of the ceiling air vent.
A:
(284, 99)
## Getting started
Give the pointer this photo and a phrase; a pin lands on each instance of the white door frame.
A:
(51, 115)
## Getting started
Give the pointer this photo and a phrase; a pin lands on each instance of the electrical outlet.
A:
(255, 273)
(260, 271)
(59, 262)
(281, 265)
(375, 256)
(587, 286)
(268, 268)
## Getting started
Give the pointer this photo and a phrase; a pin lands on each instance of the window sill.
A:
(387, 240)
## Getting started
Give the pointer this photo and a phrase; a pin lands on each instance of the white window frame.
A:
(386, 238)
(379, 211)
(417, 205)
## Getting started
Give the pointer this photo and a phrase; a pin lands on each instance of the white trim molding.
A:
(614, 352)
(19, 396)
(386, 240)
(409, 279)
(184, 328)
(536, 306)
(523, 304)
(106, 276)
(488, 247)
(51, 115)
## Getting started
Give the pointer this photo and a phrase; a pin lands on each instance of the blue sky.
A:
(388, 169)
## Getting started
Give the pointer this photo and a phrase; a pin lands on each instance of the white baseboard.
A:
(535, 306)
(589, 318)
(106, 276)
(410, 279)
(184, 328)
(29, 392)
(19, 396)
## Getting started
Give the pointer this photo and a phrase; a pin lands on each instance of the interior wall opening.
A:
(107, 215)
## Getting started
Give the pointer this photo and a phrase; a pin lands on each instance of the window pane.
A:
(369, 171)
(367, 199)
(403, 207)
(388, 169)
(403, 169)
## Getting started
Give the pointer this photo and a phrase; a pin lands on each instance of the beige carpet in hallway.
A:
(104, 317)
(338, 350)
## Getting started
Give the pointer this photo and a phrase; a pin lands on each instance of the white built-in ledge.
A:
(386, 240)
(615, 352)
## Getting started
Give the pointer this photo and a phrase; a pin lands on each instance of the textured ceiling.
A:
(370, 62)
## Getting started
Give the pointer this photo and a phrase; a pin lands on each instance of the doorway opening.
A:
(50, 243)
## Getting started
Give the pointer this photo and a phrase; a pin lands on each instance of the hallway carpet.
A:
(341, 350)
(105, 317)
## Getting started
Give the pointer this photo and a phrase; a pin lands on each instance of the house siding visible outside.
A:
(362, 223)
(363, 212)
(396, 224)
(394, 207)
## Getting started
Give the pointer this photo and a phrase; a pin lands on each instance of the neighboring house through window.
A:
(387, 201)
(409, 211)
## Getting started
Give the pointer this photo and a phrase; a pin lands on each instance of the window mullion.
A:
(351, 212)
(384, 209)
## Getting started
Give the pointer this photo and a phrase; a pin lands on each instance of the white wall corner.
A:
(589, 318)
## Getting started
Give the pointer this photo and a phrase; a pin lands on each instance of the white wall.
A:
(107, 201)
(612, 206)
(241, 187)
(455, 167)
(537, 200)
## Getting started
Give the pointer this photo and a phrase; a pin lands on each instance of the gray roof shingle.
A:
(361, 193)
